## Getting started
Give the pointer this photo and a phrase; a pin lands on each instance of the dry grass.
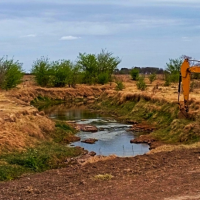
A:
(95, 159)
(103, 177)
(174, 147)
(22, 125)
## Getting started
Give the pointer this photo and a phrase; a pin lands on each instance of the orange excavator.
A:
(185, 76)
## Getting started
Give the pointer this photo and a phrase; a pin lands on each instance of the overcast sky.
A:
(142, 33)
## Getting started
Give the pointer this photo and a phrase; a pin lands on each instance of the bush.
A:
(173, 67)
(10, 73)
(134, 74)
(119, 86)
(152, 77)
(141, 85)
(97, 68)
(41, 70)
(174, 77)
(61, 72)
(167, 80)
(103, 78)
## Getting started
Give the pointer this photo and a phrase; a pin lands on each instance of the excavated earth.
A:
(167, 175)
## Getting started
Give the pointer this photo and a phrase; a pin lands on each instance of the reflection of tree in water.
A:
(69, 112)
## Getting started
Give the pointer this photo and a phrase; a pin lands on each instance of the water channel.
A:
(112, 136)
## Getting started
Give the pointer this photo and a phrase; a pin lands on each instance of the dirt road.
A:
(166, 175)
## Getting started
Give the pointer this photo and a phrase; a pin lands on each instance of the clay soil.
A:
(166, 175)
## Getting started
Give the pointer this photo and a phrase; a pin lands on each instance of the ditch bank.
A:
(24, 125)
(26, 133)
(160, 116)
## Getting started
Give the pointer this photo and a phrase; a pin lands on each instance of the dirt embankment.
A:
(22, 125)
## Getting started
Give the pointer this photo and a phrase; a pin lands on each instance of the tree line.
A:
(88, 69)
(142, 70)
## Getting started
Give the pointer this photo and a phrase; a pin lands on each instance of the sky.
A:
(143, 33)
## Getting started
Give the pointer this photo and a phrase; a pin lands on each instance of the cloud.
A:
(29, 35)
(69, 37)
(186, 39)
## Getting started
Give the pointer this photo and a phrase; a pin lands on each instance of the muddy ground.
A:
(164, 175)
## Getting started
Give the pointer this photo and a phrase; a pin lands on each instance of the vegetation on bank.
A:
(11, 73)
(51, 154)
(160, 114)
(89, 69)
(42, 102)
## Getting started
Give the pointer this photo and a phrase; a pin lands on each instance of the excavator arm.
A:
(185, 75)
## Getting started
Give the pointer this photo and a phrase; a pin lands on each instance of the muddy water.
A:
(112, 136)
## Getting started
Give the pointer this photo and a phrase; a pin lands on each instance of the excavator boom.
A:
(185, 73)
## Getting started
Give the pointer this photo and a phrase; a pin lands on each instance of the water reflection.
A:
(112, 136)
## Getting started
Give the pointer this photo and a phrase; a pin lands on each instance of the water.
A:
(112, 136)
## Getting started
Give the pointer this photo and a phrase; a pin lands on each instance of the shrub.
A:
(61, 72)
(174, 77)
(76, 76)
(10, 73)
(173, 67)
(103, 78)
(41, 70)
(141, 85)
(134, 74)
(152, 77)
(119, 86)
(97, 68)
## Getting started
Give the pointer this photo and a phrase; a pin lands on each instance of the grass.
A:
(103, 177)
(46, 156)
(45, 102)
(62, 132)
(162, 115)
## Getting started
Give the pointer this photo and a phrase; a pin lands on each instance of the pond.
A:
(112, 136)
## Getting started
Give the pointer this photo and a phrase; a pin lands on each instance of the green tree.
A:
(97, 68)
(61, 72)
(76, 76)
(106, 65)
(42, 72)
(173, 67)
(88, 64)
(134, 74)
(11, 73)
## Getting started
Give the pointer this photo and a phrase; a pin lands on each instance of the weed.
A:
(134, 74)
(119, 86)
(62, 132)
(44, 102)
(141, 85)
(46, 156)
(152, 77)
(103, 177)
